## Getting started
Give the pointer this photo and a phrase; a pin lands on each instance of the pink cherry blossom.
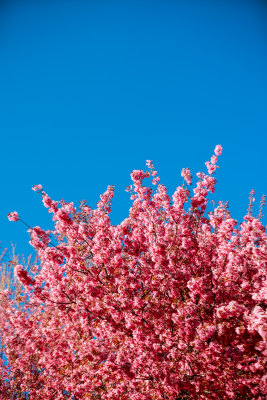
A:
(13, 216)
(168, 304)
(186, 174)
(37, 187)
(218, 150)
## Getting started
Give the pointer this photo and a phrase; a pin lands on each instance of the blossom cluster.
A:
(169, 304)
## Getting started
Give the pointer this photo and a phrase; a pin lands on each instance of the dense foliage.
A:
(169, 304)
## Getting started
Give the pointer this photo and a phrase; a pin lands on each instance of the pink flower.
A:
(13, 216)
(211, 167)
(218, 150)
(23, 275)
(214, 159)
(186, 174)
(155, 180)
(37, 187)
(47, 201)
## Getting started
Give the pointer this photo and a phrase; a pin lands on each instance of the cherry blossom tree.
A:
(169, 304)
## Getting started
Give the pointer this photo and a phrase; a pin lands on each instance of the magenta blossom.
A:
(37, 187)
(13, 216)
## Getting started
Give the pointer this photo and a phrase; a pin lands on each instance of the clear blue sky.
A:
(92, 89)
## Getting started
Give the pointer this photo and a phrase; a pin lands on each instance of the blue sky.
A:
(92, 89)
